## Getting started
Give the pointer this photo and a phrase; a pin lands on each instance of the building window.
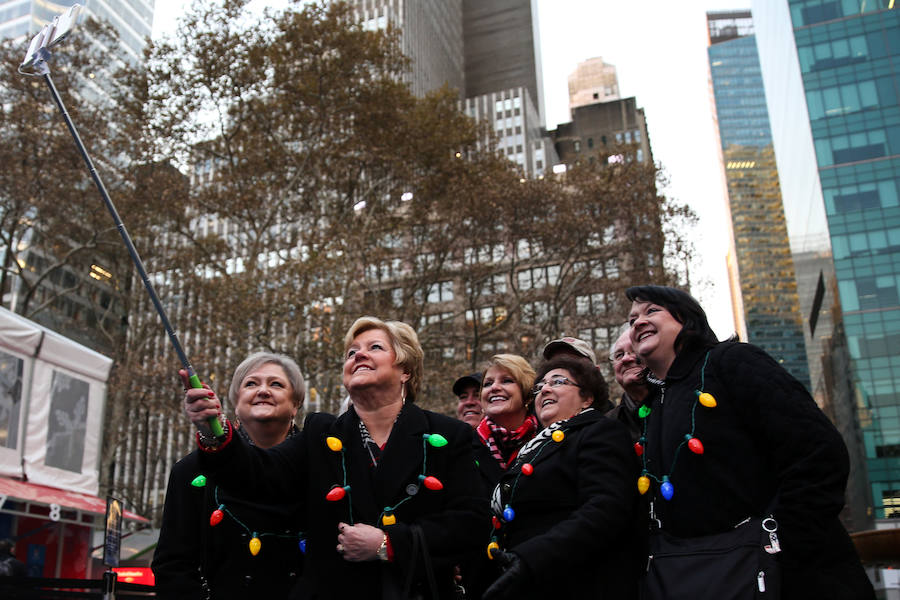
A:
(441, 291)
(598, 337)
(590, 304)
(538, 277)
(535, 312)
(488, 315)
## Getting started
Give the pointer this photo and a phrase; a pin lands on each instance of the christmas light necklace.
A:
(255, 544)
(693, 443)
(527, 469)
(387, 517)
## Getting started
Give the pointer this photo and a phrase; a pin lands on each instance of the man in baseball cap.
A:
(572, 347)
(468, 389)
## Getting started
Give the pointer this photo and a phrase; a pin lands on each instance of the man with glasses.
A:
(629, 371)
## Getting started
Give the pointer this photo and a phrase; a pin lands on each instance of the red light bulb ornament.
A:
(667, 489)
(337, 493)
(431, 482)
(496, 522)
(217, 515)
(639, 447)
(527, 469)
(694, 445)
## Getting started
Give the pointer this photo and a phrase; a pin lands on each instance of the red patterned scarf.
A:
(504, 444)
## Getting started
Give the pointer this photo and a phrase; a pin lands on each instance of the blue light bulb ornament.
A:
(302, 545)
(508, 513)
(667, 489)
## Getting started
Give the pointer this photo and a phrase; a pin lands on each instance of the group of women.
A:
(550, 497)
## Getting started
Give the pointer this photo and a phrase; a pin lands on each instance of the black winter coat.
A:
(767, 448)
(577, 524)
(305, 468)
(192, 554)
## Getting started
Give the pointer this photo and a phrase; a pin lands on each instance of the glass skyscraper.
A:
(762, 274)
(132, 19)
(832, 71)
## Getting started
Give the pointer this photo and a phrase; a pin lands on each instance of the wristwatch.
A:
(382, 552)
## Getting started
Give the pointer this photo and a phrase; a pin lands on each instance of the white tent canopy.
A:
(52, 394)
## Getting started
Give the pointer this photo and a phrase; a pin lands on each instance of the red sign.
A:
(142, 575)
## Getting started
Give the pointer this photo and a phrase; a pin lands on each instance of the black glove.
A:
(514, 583)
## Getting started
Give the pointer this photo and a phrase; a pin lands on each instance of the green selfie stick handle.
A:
(214, 423)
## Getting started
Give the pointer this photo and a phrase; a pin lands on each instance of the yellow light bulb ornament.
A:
(255, 545)
(643, 484)
(388, 519)
(557, 435)
(490, 548)
(334, 444)
(706, 399)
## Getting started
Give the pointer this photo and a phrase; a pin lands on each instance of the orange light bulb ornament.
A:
(706, 399)
(490, 549)
(643, 484)
(255, 545)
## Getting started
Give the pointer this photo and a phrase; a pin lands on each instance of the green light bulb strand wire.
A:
(299, 535)
(684, 440)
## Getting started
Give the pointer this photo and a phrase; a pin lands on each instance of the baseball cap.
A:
(466, 381)
(569, 343)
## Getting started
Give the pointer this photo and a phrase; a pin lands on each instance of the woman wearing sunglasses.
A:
(565, 513)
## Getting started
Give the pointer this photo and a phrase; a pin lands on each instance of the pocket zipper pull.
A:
(761, 581)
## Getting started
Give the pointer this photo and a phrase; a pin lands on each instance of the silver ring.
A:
(769, 524)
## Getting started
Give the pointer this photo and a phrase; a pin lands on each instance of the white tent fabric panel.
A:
(14, 369)
(62, 396)
(63, 437)
(18, 334)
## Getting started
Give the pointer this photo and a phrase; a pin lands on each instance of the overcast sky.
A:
(659, 50)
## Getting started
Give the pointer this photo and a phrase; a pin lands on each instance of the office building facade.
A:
(592, 81)
(597, 128)
(831, 73)
(762, 268)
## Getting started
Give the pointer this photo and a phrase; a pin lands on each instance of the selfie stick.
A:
(36, 58)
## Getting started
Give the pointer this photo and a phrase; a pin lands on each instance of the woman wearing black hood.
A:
(733, 436)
